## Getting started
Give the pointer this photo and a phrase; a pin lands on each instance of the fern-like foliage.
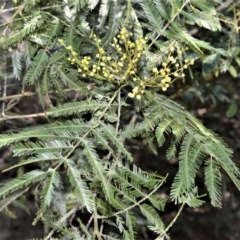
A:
(82, 158)
(196, 145)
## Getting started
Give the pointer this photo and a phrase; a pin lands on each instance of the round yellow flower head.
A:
(131, 95)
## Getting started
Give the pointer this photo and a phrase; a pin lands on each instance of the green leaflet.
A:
(37, 68)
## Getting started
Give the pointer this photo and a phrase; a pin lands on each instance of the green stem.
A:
(172, 222)
(96, 230)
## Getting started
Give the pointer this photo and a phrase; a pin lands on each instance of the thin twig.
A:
(26, 94)
(8, 10)
(119, 111)
(89, 221)
(7, 117)
(96, 230)
(101, 228)
(224, 5)
(29, 94)
(4, 94)
(172, 222)
(11, 104)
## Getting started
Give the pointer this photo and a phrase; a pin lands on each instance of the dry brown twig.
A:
(4, 98)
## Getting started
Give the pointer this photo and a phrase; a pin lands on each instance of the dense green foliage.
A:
(120, 57)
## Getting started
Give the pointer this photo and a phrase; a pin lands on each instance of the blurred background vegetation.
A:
(211, 91)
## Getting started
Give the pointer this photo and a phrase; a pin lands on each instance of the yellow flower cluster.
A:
(137, 91)
(169, 71)
(119, 69)
(120, 66)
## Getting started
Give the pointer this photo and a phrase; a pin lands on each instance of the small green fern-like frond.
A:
(28, 54)
(203, 19)
(115, 21)
(197, 144)
(70, 126)
(175, 6)
(136, 175)
(178, 191)
(163, 127)
(31, 25)
(110, 132)
(16, 63)
(54, 29)
(131, 224)
(102, 139)
(24, 181)
(59, 130)
(187, 166)
(153, 15)
(39, 147)
(131, 183)
(43, 86)
(57, 57)
(69, 78)
(82, 191)
(163, 9)
(132, 130)
(70, 34)
(36, 159)
(77, 107)
(223, 157)
(158, 202)
(213, 182)
(172, 150)
(11, 138)
(194, 202)
(120, 223)
(126, 196)
(38, 66)
(97, 167)
(152, 216)
(180, 33)
(50, 184)
(116, 202)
